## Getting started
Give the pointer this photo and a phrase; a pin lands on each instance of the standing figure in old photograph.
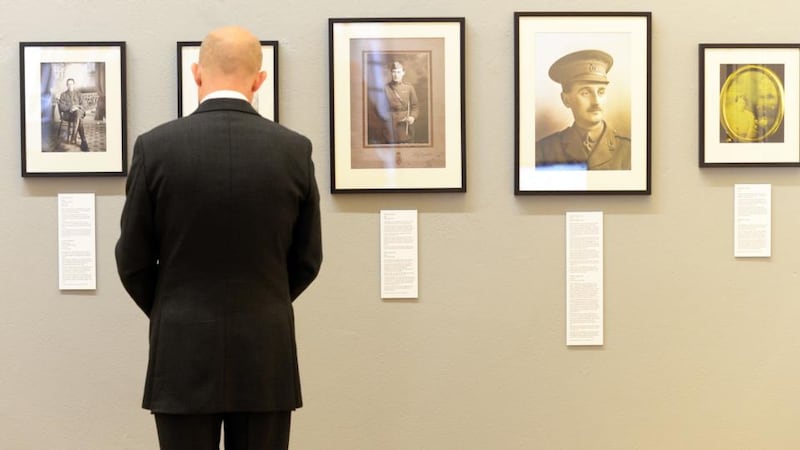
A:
(73, 110)
(590, 143)
(401, 107)
(220, 234)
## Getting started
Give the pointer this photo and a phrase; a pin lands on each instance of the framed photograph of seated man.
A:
(265, 100)
(73, 108)
(582, 106)
(397, 105)
(749, 105)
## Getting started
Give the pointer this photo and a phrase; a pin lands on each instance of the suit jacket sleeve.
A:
(137, 249)
(305, 253)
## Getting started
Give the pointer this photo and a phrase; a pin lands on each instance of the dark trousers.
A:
(243, 431)
(76, 117)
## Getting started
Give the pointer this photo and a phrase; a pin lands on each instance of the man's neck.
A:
(224, 93)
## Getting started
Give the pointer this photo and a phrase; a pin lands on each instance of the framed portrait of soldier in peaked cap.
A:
(397, 105)
(582, 103)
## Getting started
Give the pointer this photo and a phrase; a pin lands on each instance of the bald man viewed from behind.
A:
(220, 233)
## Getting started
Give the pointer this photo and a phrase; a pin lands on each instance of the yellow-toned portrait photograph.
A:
(751, 103)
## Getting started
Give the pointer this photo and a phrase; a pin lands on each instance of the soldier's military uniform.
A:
(572, 146)
(402, 99)
(569, 146)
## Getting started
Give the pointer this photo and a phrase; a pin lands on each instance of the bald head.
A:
(230, 58)
(230, 50)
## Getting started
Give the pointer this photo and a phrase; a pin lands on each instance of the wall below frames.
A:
(701, 348)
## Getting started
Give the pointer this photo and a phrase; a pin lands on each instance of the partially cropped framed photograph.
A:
(582, 82)
(397, 105)
(265, 100)
(72, 97)
(749, 105)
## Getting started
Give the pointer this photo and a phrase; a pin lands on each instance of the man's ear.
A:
(564, 99)
(196, 75)
(259, 80)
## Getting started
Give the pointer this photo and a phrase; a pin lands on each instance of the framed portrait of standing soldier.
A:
(397, 96)
(73, 108)
(582, 83)
(749, 105)
(265, 100)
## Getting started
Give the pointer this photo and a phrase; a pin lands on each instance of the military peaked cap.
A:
(584, 65)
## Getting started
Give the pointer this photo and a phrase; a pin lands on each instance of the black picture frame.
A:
(404, 135)
(265, 100)
(749, 105)
(73, 109)
(609, 50)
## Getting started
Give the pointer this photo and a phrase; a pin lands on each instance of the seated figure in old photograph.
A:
(73, 110)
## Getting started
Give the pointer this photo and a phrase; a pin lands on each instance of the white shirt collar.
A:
(224, 94)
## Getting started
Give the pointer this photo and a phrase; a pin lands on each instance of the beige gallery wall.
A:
(701, 348)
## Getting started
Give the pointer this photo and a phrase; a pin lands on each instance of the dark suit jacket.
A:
(220, 233)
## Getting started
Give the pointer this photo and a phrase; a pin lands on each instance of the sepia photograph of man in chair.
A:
(73, 107)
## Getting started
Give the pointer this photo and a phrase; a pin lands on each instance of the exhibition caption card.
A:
(584, 278)
(752, 231)
(399, 254)
(77, 259)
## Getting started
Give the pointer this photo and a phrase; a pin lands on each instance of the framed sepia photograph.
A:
(73, 108)
(749, 105)
(397, 105)
(582, 110)
(265, 100)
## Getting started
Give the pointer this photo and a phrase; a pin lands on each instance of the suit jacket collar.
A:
(225, 104)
